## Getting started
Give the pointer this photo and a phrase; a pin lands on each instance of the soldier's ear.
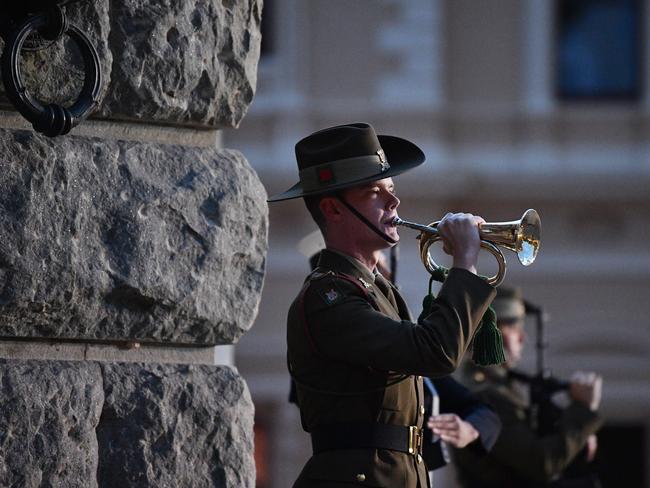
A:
(331, 209)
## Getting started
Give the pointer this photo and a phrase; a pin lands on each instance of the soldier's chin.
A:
(391, 231)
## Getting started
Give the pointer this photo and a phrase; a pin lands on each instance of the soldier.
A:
(521, 456)
(353, 351)
(456, 417)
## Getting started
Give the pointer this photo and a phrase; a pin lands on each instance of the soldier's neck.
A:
(369, 260)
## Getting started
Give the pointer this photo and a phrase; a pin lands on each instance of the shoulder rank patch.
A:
(330, 294)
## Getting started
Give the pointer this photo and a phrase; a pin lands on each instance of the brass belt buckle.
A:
(415, 440)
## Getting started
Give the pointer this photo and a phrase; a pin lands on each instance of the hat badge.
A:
(382, 160)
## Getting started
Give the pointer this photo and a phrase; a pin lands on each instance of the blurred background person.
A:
(526, 452)
(459, 419)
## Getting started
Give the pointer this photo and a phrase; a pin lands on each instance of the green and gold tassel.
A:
(487, 344)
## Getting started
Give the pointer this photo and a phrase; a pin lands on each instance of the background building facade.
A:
(513, 110)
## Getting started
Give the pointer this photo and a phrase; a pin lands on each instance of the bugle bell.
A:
(520, 236)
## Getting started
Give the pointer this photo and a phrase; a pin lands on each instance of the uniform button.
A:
(479, 376)
(421, 409)
(419, 459)
(361, 477)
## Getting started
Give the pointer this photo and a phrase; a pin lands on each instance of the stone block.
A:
(115, 240)
(49, 411)
(175, 426)
(86, 424)
(163, 61)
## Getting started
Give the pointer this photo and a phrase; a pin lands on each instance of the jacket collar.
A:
(344, 264)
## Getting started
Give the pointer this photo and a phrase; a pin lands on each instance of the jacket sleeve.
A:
(455, 398)
(542, 458)
(343, 325)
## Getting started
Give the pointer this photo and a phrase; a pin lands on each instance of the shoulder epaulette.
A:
(318, 274)
(359, 284)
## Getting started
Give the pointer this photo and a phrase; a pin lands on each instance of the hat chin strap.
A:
(369, 224)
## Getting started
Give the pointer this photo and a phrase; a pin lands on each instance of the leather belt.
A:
(402, 438)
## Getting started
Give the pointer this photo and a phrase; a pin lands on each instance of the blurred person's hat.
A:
(347, 155)
(310, 246)
(509, 304)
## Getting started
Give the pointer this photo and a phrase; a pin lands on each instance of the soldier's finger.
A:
(444, 223)
(443, 431)
(444, 416)
(446, 218)
(444, 423)
(452, 439)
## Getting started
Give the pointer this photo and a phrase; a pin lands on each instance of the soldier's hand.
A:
(452, 429)
(460, 239)
(586, 388)
(592, 447)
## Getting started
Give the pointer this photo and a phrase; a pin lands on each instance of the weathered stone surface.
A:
(164, 61)
(175, 426)
(84, 424)
(49, 411)
(120, 240)
(183, 62)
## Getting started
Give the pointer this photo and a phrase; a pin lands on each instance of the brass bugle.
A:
(520, 236)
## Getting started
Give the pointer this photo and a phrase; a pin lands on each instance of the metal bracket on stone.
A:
(48, 20)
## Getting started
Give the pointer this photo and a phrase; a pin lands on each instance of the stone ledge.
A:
(132, 352)
(127, 131)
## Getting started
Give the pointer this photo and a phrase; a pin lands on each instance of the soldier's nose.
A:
(393, 202)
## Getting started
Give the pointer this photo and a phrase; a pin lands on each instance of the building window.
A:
(598, 49)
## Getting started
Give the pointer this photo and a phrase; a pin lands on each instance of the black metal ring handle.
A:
(51, 119)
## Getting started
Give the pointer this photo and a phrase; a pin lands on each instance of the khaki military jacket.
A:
(358, 358)
(519, 457)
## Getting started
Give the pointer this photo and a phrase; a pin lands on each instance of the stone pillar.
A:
(129, 251)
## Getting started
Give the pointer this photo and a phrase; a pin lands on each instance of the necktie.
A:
(385, 288)
(438, 453)
(435, 399)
